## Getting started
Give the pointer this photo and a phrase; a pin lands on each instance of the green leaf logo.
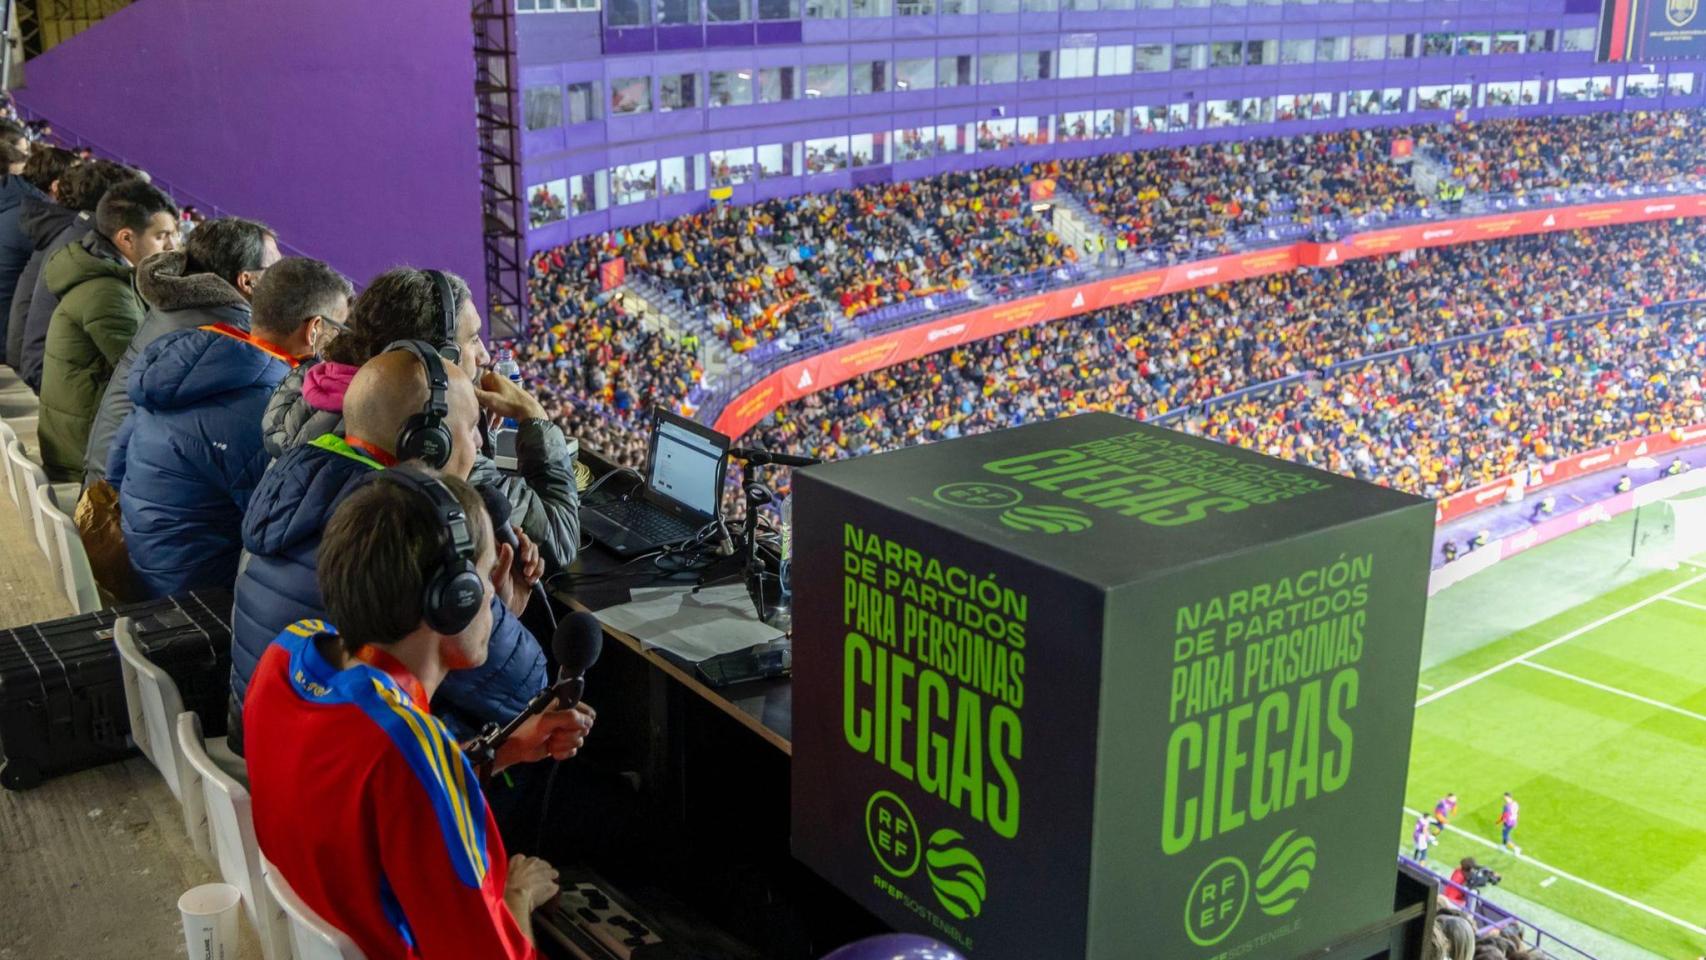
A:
(1046, 519)
(1285, 873)
(956, 874)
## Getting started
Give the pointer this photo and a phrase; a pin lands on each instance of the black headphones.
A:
(454, 592)
(424, 436)
(446, 315)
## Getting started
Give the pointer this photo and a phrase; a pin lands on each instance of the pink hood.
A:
(325, 385)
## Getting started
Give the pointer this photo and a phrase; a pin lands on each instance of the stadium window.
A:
(1436, 44)
(915, 144)
(778, 9)
(1221, 113)
(998, 68)
(1077, 62)
(1033, 131)
(954, 138)
(1258, 109)
(1181, 116)
(630, 95)
(1227, 53)
(959, 7)
(1074, 126)
(1155, 4)
(725, 11)
(1680, 84)
(915, 8)
(1433, 98)
(955, 71)
(1110, 124)
(677, 12)
(826, 155)
(1119, 4)
(1510, 42)
(1297, 51)
(1332, 49)
(526, 6)
(999, 134)
(1193, 3)
(918, 73)
(1036, 65)
(870, 149)
(1400, 46)
(1303, 3)
(1368, 48)
(672, 176)
(634, 182)
(1268, 3)
(1540, 41)
(586, 102)
(1261, 52)
(678, 91)
(1082, 6)
(871, 77)
(1153, 58)
(826, 9)
(871, 8)
(1190, 56)
(826, 80)
(1231, 3)
(1579, 40)
(731, 167)
(544, 107)
(1113, 60)
(588, 192)
(776, 159)
(547, 203)
(1041, 6)
(1500, 94)
(1363, 103)
(1289, 106)
(1530, 92)
(1474, 44)
(731, 88)
(776, 85)
(1000, 6)
(628, 13)
(1148, 119)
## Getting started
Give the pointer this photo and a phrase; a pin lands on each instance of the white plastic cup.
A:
(210, 921)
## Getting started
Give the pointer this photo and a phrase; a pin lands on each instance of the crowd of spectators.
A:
(1541, 153)
(1429, 421)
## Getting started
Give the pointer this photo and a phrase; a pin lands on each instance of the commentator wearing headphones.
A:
(363, 801)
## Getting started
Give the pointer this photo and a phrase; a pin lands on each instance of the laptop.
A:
(686, 464)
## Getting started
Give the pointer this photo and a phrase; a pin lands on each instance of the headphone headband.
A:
(453, 588)
(446, 296)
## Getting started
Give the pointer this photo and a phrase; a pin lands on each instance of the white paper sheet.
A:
(693, 626)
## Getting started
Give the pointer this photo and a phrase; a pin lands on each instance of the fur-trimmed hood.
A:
(163, 283)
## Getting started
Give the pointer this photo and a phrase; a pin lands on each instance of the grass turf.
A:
(1613, 789)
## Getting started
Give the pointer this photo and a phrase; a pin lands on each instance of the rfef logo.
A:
(1046, 519)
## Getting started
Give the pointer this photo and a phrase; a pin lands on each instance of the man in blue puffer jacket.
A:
(289, 510)
(186, 460)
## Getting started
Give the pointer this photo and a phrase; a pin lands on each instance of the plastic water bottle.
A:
(508, 367)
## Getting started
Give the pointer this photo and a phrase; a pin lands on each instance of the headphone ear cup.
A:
(426, 439)
(453, 599)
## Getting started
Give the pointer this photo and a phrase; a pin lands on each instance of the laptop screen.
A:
(686, 467)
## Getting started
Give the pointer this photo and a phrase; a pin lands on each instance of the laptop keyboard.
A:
(646, 521)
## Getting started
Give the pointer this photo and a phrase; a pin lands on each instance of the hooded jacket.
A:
(189, 455)
(175, 302)
(15, 245)
(277, 586)
(542, 494)
(99, 311)
(33, 305)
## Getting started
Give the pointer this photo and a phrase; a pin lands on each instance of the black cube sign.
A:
(1091, 688)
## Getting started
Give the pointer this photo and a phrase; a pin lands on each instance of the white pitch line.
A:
(1687, 603)
(1424, 686)
(1649, 701)
(1573, 634)
(1548, 882)
(1589, 884)
(1698, 566)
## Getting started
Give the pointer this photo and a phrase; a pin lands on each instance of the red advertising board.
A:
(611, 273)
(844, 363)
(1580, 465)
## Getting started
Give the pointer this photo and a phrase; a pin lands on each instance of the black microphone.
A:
(501, 510)
(576, 644)
(761, 457)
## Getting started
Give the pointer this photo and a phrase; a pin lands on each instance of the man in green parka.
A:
(99, 311)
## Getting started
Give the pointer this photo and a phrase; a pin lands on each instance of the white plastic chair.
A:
(221, 804)
(65, 549)
(311, 937)
(26, 476)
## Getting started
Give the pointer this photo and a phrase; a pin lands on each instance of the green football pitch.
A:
(1595, 719)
